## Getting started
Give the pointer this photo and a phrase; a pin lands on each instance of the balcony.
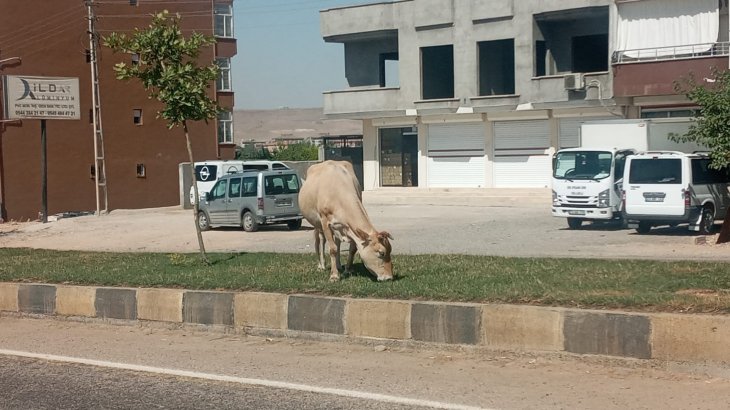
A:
(363, 102)
(347, 23)
(652, 72)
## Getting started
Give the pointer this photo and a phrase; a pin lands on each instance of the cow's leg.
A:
(334, 246)
(319, 243)
(351, 256)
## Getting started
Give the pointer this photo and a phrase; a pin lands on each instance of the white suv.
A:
(669, 188)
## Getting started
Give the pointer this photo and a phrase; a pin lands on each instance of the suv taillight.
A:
(260, 203)
(686, 199)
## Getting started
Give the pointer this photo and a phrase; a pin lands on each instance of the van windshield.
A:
(204, 173)
(656, 171)
(281, 184)
(592, 165)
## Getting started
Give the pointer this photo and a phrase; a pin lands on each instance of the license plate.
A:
(576, 212)
(654, 199)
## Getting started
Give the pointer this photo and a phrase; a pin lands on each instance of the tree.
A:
(168, 70)
(712, 123)
(300, 151)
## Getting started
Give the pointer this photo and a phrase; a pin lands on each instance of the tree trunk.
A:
(196, 209)
(725, 231)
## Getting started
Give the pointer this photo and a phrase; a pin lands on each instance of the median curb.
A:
(696, 338)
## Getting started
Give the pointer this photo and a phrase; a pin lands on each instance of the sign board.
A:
(41, 98)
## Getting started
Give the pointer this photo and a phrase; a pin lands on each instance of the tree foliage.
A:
(300, 151)
(712, 120)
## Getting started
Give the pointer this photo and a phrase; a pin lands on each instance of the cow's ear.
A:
(385, 234)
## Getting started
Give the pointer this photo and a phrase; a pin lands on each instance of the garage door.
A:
(520, 154)
(456, 155)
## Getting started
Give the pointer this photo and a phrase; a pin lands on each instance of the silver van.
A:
(250, 199)
(669, 188)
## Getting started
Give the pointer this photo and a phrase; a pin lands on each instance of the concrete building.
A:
(479, 94)
(141, 154)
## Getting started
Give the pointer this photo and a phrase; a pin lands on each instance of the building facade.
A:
(141, 155)
(479, 94)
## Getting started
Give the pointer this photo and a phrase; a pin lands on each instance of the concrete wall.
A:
(668, 337)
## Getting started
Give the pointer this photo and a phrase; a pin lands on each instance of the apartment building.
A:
(479, 94)
(141, 155)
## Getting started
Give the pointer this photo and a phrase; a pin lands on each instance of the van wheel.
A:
(707, 221)
(203, 222)
(248, 221)
(644, 227)
(574, 223)
(294, 225)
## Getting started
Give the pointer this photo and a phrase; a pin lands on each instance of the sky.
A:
(282, 60)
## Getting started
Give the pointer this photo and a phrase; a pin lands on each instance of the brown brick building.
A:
(51, 39)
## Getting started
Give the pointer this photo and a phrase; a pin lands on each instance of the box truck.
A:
(587, 181)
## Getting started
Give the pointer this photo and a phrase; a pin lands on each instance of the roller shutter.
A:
(521, 157)
(456, 155)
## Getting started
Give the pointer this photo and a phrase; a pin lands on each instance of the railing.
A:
(671, 53)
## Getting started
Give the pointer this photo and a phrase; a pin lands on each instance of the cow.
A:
(331, 200)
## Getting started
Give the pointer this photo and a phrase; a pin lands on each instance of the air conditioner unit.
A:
(574, 81)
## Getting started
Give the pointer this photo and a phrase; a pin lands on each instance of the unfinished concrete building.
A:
(478, 94)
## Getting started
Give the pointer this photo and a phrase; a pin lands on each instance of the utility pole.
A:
(102, 198)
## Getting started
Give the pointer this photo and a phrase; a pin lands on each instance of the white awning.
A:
(655, 24)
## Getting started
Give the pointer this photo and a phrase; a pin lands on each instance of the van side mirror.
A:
(208, 196)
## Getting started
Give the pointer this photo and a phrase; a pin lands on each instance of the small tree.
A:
(300, 151)
(712, 122)
(168, 70)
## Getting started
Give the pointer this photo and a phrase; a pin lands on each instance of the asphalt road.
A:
(519, 231)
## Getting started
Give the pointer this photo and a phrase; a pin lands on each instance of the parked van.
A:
(669, 188)
(208, 172)
(252, 198)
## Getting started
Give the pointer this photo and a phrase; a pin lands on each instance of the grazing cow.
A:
(331, 201)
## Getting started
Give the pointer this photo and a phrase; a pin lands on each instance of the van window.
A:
(205, 173)
(249, 186)
(234, 188)
(279, 166)
(219, 189)
(255, 167)
(281, 184)
(656, 171)
(703, 174)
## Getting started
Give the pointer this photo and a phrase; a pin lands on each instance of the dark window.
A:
(256, 167)
(281, 184)
(92, 172)
(234, 188)
(279, 166)
(141, 172)
(437, 72)
(540, 58)
(137, 116)
(389, 70)
(497, 67)
(590, 53)
(703, 174)
(656, 171)
(87, 52)
(249, 186)
(219, 189)
(135, 59)
(132, 2)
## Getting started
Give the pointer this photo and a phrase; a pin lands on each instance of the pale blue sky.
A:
(282, 59)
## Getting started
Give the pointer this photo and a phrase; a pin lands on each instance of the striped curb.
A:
(671, 337)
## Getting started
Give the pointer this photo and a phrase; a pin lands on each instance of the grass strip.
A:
(640, 285)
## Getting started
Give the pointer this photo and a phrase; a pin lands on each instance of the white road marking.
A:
(243, 380)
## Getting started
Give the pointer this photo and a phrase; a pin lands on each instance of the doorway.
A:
(399, 157)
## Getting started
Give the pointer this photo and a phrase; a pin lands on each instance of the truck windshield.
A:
(593, 165)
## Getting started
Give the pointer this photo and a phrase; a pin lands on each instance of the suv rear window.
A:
(281, 184)
(656, 171)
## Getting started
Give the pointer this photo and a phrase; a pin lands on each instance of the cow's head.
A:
(375, 253)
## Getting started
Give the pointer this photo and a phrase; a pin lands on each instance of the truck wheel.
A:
(248, 221)
(574, 223)
(294, 225)
(644, 227)
(707, 220)
(203, 222)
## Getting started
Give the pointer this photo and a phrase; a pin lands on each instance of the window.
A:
(279, 166)
(224, 76)
(389, 70)
(592, 165)
(223, 20)
(141, 172)
(135, 59)
(132, 2)
(656, 171)
(497, 67)
(702, 173)
(281, 184)
(437, 72)
(219, 190)
(92, 172)
(225, 128)
(249, 186)
(87, 52)
(137, 116)
(234, 189)
(590, 53)
(668, 113)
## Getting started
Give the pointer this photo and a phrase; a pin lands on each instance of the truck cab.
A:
(586, 184)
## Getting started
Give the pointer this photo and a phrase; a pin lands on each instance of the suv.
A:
(250, 199)
(208, 172)
(669, 188)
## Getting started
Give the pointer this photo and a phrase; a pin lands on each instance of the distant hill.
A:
(266, 125)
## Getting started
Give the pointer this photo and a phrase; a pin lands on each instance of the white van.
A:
(208, 172)
(669, 188)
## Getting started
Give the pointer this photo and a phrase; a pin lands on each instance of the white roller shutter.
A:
(456, 155)
(520, 154)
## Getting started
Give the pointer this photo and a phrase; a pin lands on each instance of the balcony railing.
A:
(671, 53)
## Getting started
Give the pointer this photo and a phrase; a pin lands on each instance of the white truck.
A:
(587, 181)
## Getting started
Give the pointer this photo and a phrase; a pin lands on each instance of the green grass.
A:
(590, 283)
